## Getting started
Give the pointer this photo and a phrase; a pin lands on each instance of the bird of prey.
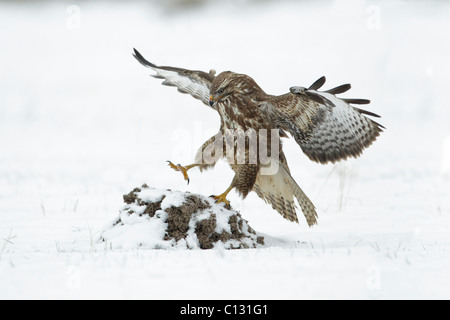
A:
(327, 129)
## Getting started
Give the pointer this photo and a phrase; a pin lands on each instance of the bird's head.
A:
(229, 84)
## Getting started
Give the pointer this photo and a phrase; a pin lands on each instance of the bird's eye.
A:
(220, 91)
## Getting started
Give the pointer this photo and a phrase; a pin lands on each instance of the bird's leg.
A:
(223, 197)
(183, 169)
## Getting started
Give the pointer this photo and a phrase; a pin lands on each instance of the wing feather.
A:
(327, 128)
(317, 84)
(194, 82)
(340, 89)
(357, 101)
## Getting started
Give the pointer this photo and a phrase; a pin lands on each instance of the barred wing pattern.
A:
(194, 82)
(327, 128)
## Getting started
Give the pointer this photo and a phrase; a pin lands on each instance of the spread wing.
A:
(194, 82)
(327, 128)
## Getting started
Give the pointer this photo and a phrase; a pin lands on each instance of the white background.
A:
(82, 123)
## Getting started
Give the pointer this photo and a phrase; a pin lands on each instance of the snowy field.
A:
(82, 123)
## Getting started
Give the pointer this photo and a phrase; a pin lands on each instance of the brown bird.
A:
(327, 128)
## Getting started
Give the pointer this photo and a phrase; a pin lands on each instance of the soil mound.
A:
(164, 219)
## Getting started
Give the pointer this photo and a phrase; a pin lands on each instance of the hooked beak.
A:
(211, 101)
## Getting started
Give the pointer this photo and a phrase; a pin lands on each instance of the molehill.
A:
(165, 219)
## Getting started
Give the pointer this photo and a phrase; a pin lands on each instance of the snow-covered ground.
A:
(81, 124)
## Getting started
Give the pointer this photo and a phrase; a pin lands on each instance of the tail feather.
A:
(279, 190)
(305, 204)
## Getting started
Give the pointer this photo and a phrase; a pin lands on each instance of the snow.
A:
(151, 195)
(172, 199)
(136, 232)
(82, 123)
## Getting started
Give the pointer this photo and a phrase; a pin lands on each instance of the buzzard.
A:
(327, 129)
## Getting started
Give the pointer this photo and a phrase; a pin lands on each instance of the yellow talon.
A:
(222, 198)
(179, 167)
